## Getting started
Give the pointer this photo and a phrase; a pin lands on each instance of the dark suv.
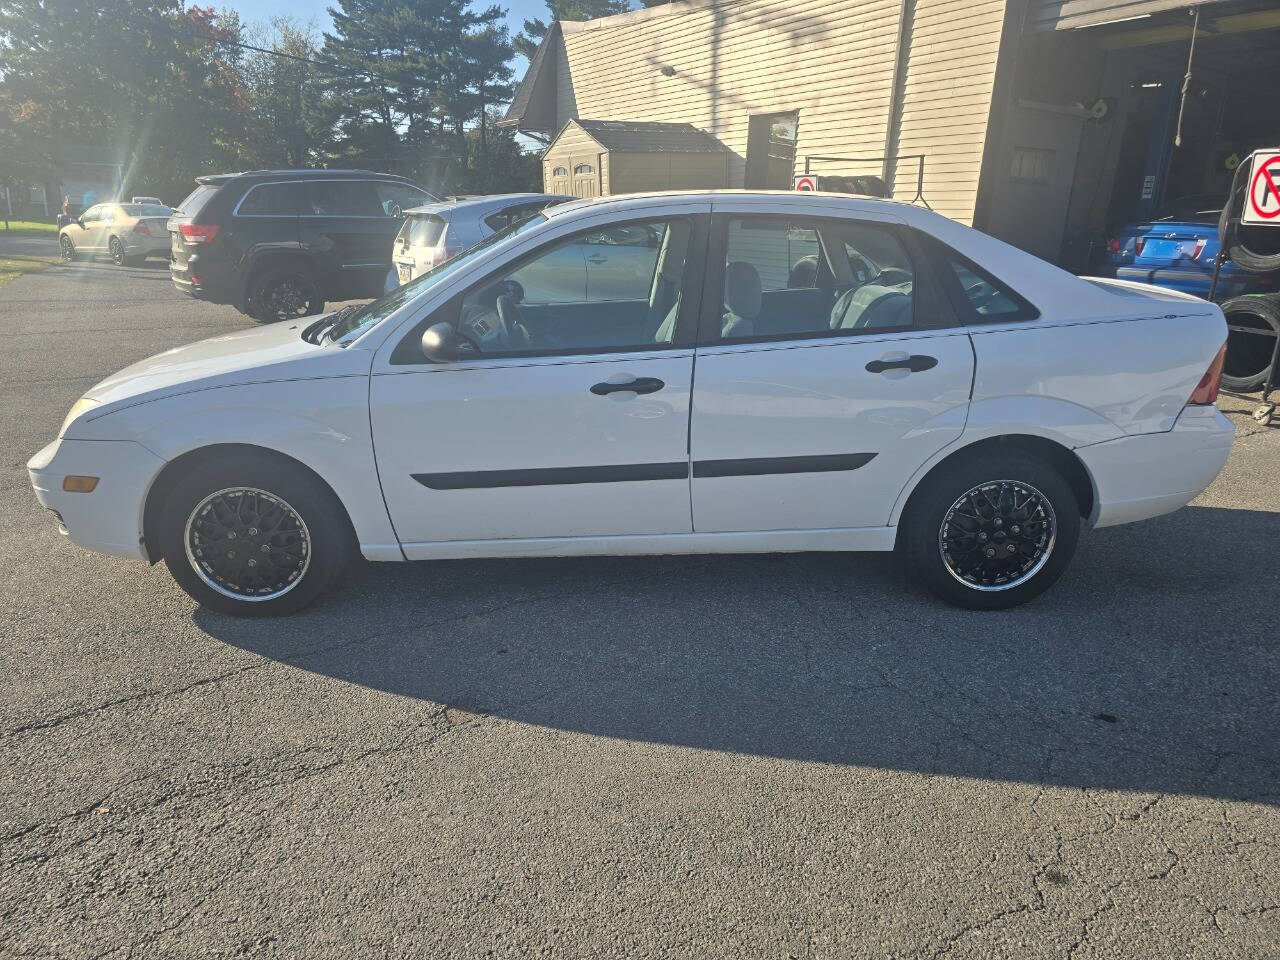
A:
(278, 243)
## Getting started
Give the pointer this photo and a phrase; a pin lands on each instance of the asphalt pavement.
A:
(760, 756)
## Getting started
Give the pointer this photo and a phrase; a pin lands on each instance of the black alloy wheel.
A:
(285, 294)
(997, 535)
(247, 544)
(67, 248)
(116, 249)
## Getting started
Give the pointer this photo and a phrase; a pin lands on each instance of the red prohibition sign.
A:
(1271, 188)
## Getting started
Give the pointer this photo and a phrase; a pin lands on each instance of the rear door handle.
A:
(915, 363)
(597, 258)
(638, 385)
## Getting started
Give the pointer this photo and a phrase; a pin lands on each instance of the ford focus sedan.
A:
(788, 372)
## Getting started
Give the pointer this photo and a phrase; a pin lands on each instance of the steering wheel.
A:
(514, 333)
(979, 296)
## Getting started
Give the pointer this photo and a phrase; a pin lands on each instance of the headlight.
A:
(79, 407)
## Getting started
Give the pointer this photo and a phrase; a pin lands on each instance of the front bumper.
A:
(108, 520)
(1153, 473)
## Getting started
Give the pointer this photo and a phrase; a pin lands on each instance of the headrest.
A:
(742, 290)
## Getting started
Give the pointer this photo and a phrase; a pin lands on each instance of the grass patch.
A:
(29, 226)
(11, 267)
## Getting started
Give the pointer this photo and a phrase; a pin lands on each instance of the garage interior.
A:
(1091, 119)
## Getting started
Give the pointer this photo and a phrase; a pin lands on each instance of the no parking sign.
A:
(806, 184)
(1262, 202)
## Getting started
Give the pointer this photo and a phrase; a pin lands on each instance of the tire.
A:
(287, 292)
(116, 249)
(938, 516)
(67, 247)
(1256, 249)
(281, 511)
(1249, 355)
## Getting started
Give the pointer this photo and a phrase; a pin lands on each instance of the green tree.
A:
(534, 29)
(284, 90)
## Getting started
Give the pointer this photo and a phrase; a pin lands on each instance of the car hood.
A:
(275, 352)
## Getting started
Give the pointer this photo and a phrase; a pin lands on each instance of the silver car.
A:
(436, 232)
(126, 232)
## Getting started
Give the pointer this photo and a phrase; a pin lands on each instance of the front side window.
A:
(343, 198)
(787, 278)
(271, 200)
(583, 294)
(92, 215)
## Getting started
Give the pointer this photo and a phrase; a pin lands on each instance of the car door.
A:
(345, 226)
(89, 233)
(814, 405)
(575, 426)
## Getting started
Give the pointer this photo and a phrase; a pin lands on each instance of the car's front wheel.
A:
(284, 293)
(67, 247)
(991, 530)
(254, 536)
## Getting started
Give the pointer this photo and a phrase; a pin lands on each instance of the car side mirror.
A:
(80, 222)
(440, 343)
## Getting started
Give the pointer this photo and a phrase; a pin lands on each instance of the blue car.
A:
(1176, 250)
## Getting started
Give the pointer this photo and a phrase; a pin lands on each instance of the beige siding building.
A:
(1045, 122)
(826, 67)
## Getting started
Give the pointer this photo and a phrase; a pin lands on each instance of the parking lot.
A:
(785, 756)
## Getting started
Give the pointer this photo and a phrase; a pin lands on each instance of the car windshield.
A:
(351, 327)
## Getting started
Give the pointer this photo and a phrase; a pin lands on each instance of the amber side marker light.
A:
(74, 484)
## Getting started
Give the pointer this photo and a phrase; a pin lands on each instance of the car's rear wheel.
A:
(116, 249)
(254, 536)
(284, 293)
(991, 530)
(1249, 354)
(67, 247)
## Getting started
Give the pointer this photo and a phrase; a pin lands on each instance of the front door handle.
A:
(638, 385)
(597, 258)
(915, 363)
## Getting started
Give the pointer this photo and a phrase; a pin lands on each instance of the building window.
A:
(1032, 165)
(560, 172)
(583, 168)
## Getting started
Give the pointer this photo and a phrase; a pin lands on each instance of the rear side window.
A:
(506, 217)
(343, 198)
(271, 200)
(196, 200)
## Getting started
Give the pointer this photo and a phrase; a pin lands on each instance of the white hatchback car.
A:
(792, 372)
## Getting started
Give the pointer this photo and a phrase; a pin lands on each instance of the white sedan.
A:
(791, 372)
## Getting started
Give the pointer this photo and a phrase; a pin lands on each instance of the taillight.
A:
(141, 229)
(1206, 391)
(1138, 244)
(440, 256)
(198, 232)
(1199, 249)
(1113, 245)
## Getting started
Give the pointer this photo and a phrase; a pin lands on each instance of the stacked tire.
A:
(1257, 250)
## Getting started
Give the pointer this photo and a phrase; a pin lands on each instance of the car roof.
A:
(481, 205)
(847, 202)
(215, 179)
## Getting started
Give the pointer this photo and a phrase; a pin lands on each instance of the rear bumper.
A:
(1144, 476)
(1196, 282)
(108, 520)
(136, 246)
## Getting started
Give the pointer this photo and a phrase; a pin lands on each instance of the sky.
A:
(255, 10)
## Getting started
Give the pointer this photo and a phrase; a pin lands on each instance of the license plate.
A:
(1161, 250)
(406, 273)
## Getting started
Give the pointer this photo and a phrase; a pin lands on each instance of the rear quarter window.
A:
(978, 296)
